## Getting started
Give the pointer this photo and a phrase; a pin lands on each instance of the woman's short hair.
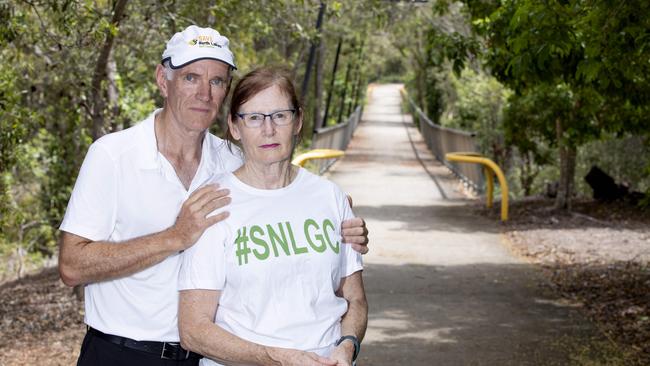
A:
(258, 80)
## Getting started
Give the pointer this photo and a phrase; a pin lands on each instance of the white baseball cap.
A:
(195, 43)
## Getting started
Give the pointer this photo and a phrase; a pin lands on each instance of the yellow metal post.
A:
(472, 157)
(490, 186)
(301, 159)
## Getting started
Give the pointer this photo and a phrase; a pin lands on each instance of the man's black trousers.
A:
(96, 351)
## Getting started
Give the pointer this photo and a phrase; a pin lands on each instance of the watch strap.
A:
(355, 341)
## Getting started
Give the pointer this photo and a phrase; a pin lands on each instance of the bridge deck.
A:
(442, 287)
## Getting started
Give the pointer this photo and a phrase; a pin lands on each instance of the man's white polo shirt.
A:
(127, 189)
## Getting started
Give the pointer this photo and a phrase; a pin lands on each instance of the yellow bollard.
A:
(489, 167)
(301, 159)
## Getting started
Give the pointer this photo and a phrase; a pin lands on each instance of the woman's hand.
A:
(343, 353)
(291, 357)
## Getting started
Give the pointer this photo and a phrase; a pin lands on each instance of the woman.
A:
(284, 289)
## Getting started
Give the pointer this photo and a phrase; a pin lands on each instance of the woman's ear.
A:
(298, 126)
(234, 128)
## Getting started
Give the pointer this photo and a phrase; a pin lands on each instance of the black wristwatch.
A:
(355, 341)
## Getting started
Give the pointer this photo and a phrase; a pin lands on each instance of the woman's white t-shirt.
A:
(278, 259)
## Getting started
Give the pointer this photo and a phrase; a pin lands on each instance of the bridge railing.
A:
(335, 137)
(442, 140)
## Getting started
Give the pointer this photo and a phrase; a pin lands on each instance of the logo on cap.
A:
(203, 41)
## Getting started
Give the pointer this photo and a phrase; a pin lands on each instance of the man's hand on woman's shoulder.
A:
(193, 218)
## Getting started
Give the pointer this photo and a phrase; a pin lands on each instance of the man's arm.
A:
(82, 260)
(200, 334)
(355, 320)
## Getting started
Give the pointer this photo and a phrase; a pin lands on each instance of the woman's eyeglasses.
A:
(279, 118)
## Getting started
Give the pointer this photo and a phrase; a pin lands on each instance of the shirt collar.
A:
(149, 158)
(208, 153)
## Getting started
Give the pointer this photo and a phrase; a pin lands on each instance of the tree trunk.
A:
(97, 95)
(528, 173)
(312, 52)
(341, 117)
(568, 154)
(113, 94)
(100, 74)
(21, 253)
(419, 86)
(420, 60)
(331, 90)
(318, 85)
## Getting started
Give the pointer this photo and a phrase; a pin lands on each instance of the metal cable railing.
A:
(442, 140)
(335, 137)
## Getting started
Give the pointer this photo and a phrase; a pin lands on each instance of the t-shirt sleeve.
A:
(351, 259)
(92, 207)
(203, 264)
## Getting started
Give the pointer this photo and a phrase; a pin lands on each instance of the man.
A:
(139, 201)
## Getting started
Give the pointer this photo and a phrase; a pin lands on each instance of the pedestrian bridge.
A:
(443, 288)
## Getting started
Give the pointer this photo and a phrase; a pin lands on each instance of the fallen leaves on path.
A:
(42, 322)
(616, 296)
(597, 256)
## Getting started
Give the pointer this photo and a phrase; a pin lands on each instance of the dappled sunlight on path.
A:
(442, 287)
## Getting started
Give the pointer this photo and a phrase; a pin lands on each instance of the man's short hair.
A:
(169, 72)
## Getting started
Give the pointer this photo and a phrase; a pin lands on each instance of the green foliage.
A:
(566, 70)
(578, 70)
(616, 38)
(532, 42)
(477, 105)
(26, 226)
(12, 131)
(51, 49)
(434, 43)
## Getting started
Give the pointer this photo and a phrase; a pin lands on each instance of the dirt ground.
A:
(42, 321)
(597, 258)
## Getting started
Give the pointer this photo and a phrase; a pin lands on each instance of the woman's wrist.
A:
(348, 348)
(350, 344)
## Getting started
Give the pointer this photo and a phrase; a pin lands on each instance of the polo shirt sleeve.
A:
(351, 259)
(92, 207)
(235, 159)
(203, 264)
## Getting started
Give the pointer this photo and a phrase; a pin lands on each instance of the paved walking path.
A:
(442, 287)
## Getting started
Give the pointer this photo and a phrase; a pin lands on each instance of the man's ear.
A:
(229, 82)
(161, 80)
